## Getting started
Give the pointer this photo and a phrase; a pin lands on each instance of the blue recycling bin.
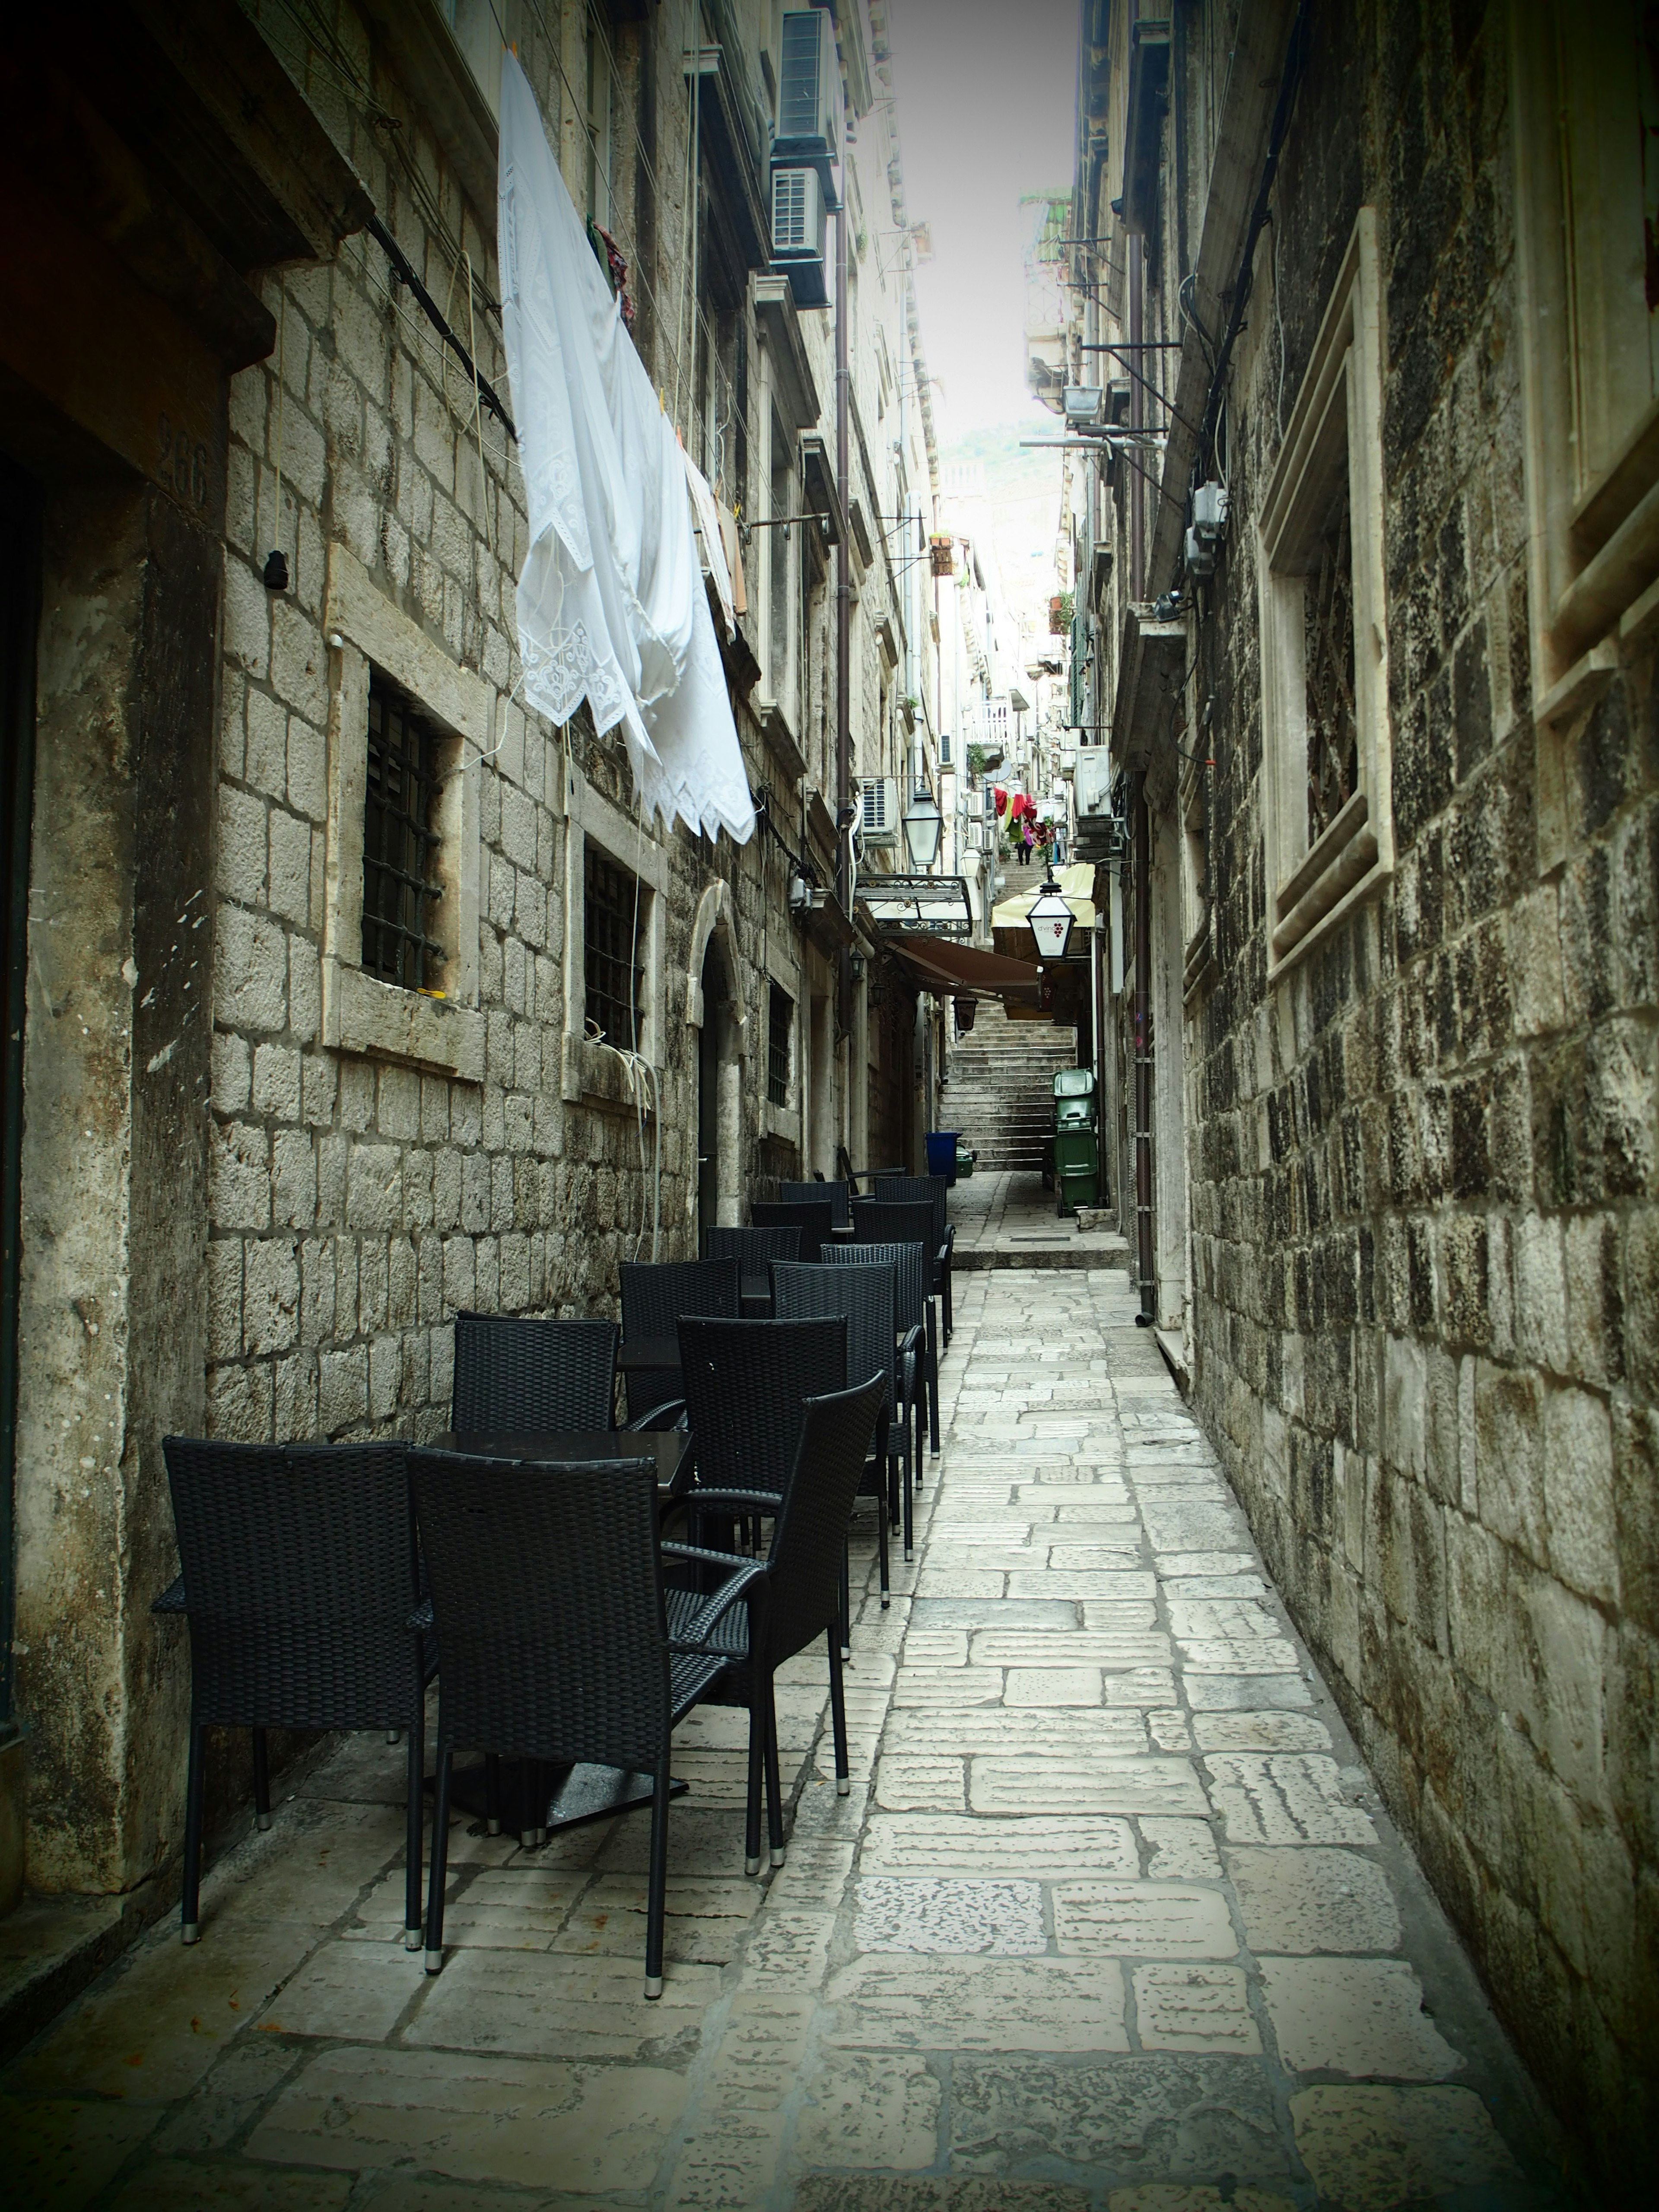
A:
(942, 1154)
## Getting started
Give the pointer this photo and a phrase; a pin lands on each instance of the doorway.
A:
(20, 616)
(714, 995)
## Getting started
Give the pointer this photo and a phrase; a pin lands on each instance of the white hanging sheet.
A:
(610, 604)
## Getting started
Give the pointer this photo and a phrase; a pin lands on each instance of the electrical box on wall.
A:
(1206, 529)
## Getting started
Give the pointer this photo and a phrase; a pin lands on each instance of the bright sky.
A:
(985, 91)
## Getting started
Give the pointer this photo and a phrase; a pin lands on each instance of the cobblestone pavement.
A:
(1111, 1920)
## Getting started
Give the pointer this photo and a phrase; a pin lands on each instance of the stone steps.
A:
(1001, 1090)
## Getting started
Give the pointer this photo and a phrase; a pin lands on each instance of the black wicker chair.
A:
(513, 1374)
(815, 1220)
(746, 1387)
(910, 1265)
(300, 1576)
(797, 1596)
(864, 1297)
(547, 1594)
(814, 1193)
(876, 1223)
(754, 1250)
(914, 1190)
(653, 1296)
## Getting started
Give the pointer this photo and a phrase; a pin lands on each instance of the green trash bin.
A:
(1075, 1098)
(1077, 1170)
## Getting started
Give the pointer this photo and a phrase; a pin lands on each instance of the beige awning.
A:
(1077, 885)
(940, 964)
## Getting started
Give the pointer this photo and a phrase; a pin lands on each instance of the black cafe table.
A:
(535, 1797)
(647, 1355)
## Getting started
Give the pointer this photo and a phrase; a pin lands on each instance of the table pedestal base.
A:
(537, 1798)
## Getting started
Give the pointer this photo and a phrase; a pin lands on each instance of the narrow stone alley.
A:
(1112, 1920)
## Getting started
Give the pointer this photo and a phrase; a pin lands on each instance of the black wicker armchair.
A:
(933, 1190)
(513, 1374)
(754, 1250)
(814, 1193)
(547, 1594)
(746, 1387)
(300, 1578)
(908, 1263)
(653, 1296)
(863, 1296)
(815, 1219)
(796, 1596)
(874, 1222)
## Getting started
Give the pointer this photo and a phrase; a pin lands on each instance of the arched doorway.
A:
(715, 992)
(714, 1007)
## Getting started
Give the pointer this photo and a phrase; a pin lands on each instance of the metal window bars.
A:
(400, 844)
(1333, 729)
(613, 940)
(779, 1016)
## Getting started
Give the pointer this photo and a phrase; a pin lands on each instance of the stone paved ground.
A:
(1112, 1920)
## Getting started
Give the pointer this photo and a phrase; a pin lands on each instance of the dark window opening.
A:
(1328, 659)
(781, 1015)
(400, 846)
(613, 938)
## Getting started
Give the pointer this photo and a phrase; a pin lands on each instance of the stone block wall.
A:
(1423, 1163)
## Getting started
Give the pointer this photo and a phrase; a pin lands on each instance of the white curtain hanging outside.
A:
(610, 605)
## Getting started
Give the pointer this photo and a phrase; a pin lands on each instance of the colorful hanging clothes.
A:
(610, 603)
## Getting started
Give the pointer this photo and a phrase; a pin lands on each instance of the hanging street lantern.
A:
(1050, 920)
(923, 827)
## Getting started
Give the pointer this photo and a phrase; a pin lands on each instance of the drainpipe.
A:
(843, 628)
(1141, 832)
(1137, 420)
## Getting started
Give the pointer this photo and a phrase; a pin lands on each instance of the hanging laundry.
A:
(610, 602)
(704, 508)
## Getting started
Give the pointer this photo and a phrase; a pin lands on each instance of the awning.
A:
(938, 964)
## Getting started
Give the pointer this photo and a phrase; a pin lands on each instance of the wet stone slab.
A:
(1165, 2117)
(948, 1915)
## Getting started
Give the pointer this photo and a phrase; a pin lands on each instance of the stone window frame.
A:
(790, 977)
(1593, 549)
(361, 1013)
(1336, 424)
(592, 1073)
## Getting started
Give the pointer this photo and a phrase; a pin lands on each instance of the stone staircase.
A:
(1001, 1093)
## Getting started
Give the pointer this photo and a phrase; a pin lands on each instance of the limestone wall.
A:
(1423, 1163)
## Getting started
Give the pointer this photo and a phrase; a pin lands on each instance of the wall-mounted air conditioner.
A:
(809, 91)
(879, 810)
(799, 233)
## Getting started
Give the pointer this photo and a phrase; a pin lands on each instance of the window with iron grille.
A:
(614, 940)
(780, 1020)
(400, 846)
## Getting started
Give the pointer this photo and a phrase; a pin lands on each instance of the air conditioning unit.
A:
(798, 232)
(879, 810)
(809, 91)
